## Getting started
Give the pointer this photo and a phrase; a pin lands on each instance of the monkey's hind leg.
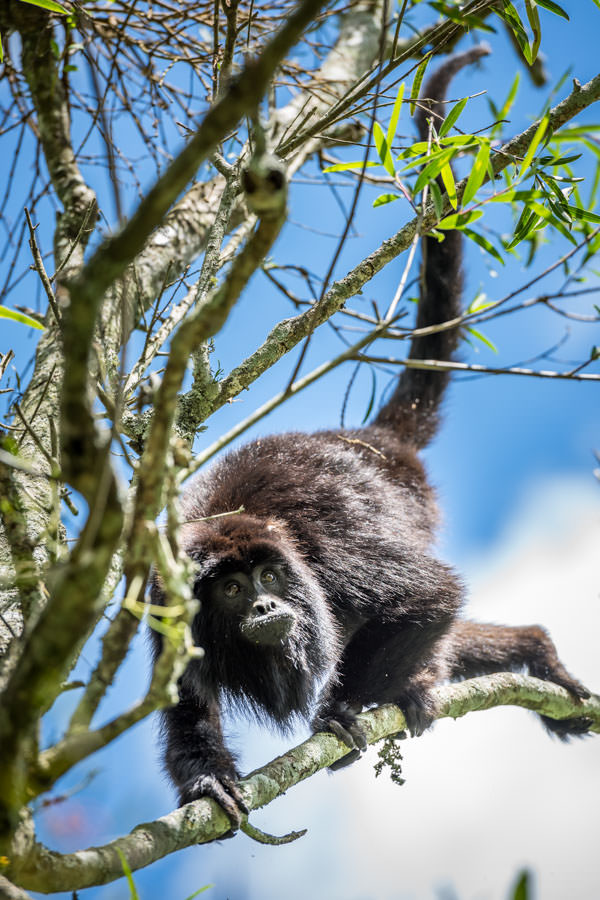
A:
(476, 649)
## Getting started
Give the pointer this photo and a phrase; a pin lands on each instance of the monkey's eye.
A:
(232, 589)
(268, 577)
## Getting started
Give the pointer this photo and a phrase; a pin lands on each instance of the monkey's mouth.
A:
(270, 629)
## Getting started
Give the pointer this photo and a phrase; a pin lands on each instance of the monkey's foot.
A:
(223, 789)
(419, 711)
(564, 729)
(340, 719)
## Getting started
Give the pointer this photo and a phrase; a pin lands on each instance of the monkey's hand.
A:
(418, 707)
(221, 788)
(340, 719)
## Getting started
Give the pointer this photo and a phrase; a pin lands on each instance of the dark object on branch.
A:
(327, 580)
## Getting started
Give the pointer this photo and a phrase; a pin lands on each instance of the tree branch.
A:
(203, 820)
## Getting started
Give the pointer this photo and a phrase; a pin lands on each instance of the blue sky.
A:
(513, 468)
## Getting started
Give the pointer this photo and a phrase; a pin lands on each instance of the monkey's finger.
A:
(346, 760)
(223, 791)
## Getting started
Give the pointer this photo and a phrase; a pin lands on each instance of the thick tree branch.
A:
(203, 821)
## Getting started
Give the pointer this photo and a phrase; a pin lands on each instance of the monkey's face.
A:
(254, 598)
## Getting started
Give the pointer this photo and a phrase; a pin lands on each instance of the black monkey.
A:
(324, 590)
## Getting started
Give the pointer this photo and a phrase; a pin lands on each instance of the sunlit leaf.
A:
(133, 894)
(554, 7)
(484, 243)
(416, 85)
(372, 397)
(391, 132)
(539, 134)
(534, 21)
(452, 117)
(206, 887)
(6, 313)
(383, 149)
(478, 173)
(50, 5)
(584, 214)
(484, 340)
(438, 200)
(450, 185)
(343, 167)
(385, 198)
(459, 220)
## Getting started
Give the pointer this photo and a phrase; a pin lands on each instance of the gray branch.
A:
(202, 821)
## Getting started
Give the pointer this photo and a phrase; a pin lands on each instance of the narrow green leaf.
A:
(507, 105)
(452, 117)
(508, 13)
(392, 127)
(539, 134)
(383, 149)
(50, 5)
(206, 887)
(478, 173)
(484, 340)
(584, 214)
(385, 198)
(484, 243)
(479, 304)
(554, 7)
(342, 167)
(433, 168)
(416, 85)
(1, 50)
(6, 313)
(450, 185)
(459, 220)
(534, 21)
(521, 891)
(372, 397)
(127, 871)
(438, 201)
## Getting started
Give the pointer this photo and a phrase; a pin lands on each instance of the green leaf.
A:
(383, 149)
(484, 243)
(6, 313)
(584, 214)
(392, 127)
(484, 340)
(416, 85)
(459, 220)
(452, 117)
(479, 304)
(478, 173)
(521, 891)
(132, 889)
(50, 5)
(534, 21)
(372, 397)
(554, 7)
(385, 198)
(450, 185)
(508, 13)
(1, 50)
(433, 167)
(206, 887)
(342, 167)
(539, 134)
(507, 105)
(438, 201)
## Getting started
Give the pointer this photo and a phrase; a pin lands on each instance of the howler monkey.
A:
(323, 596)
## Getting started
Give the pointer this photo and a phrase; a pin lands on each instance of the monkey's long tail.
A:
(413, 409)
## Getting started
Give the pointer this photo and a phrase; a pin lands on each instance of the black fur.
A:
(349, 517)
